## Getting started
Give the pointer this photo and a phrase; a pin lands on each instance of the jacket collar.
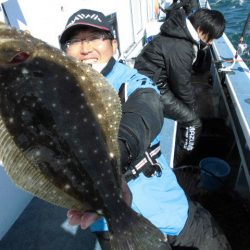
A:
(107, 69)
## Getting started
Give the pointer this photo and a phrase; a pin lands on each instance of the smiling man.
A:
(156, 193)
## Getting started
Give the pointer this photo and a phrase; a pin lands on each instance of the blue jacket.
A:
(159, 199)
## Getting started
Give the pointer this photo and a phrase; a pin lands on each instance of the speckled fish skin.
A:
(59, 124)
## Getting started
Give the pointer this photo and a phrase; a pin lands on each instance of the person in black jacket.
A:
(168, 61)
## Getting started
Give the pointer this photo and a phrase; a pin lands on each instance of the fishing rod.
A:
(242, 46)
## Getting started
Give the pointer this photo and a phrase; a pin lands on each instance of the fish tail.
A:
(131, 231)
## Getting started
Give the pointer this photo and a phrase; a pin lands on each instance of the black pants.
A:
(201, 232)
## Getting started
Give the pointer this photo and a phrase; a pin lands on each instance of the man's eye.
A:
(91, 38)
(75, 41)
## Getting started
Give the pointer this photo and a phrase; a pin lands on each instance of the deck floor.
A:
(40, 227)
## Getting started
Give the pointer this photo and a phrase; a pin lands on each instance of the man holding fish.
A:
(156, 194)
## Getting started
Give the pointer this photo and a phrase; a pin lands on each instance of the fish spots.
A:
(41, 183)
(67, 187)
(24, 71)
(111, 155)
(65, 170)
(95, 199)
(99, 116)
(41, 133)
(76, 142)
(37, 153)
(11, 120)
(99, 211)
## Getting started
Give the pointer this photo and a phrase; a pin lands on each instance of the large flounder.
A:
(59, 124)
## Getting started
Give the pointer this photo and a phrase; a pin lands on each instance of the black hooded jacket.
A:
(168, 60)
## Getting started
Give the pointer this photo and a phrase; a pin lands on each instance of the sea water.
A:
(235, 13)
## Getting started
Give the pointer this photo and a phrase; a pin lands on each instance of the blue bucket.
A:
(214, 172)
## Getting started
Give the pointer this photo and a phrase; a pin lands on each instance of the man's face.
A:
(204, 37)
(90, 46)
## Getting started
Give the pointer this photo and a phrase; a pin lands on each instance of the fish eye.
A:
(20, 57)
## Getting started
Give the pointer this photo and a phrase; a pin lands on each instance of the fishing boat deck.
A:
(228, 206)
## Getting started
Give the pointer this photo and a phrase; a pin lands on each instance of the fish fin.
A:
(134, 232)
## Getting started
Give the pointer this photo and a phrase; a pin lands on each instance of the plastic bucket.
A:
(214, 172)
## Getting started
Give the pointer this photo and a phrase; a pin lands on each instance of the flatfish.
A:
(59, 123)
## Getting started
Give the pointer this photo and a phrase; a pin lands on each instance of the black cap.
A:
(85, 17)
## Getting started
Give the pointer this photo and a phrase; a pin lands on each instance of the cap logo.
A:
(83, 17)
